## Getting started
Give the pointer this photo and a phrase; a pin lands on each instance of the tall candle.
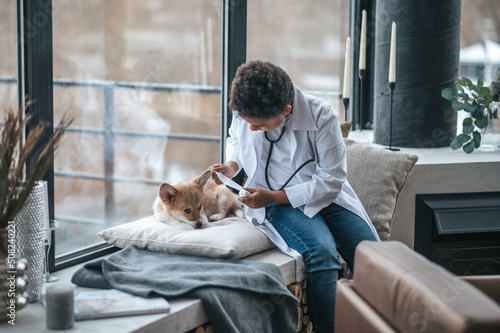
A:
(59, 299)
(347, 69)
(392, 58)
(362, 44)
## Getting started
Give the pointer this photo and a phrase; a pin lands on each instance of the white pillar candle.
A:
(59, 299)
(347, 69)
(362, 43)
(392, 58)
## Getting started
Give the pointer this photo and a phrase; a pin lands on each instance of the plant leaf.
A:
(459, 141)
(448, 93)
(470, 107)
(457, 106)
(478, 113)
(469, 147)
(481, 122)
(484, 91)
(480, 82)
(468, 82)
(476, 136)
(468, 126)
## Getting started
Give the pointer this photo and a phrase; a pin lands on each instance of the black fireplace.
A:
(460, 231)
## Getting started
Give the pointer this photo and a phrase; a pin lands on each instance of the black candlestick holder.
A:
(392, 85)
(346, 106)
(361, 77)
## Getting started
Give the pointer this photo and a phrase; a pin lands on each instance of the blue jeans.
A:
(319, 240)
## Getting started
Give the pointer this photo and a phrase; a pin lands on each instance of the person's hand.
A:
(226, 170)
(258, 198)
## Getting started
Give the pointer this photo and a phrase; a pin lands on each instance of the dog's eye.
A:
(187, 210)
(199, 208)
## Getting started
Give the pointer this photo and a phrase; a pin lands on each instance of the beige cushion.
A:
(377, 176)
(229, 238)
(345, 127)
(417, 295)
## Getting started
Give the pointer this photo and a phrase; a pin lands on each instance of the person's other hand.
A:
(226, 170)
(258, 198)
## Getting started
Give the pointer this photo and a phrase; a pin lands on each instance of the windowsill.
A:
(186, 314)
(429, 156)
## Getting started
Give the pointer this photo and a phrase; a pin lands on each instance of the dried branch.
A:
(14, 187)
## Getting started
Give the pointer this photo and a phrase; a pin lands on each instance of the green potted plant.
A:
(478, 101)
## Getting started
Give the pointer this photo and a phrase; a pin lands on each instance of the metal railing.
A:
(109, 132)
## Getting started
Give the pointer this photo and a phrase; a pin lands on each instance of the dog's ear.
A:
(203, 178)
(167, 193)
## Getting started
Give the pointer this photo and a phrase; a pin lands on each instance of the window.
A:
(8, 58)
(479, 43)
(143, 81)
(307, 40)
(480, 39)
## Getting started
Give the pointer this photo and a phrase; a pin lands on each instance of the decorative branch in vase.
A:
(482, 104)
(16, 187)
(16, 183)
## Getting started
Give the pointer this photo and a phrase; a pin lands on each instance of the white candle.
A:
(347, 69)
(362, 44)
(392, 59)
(59, 299)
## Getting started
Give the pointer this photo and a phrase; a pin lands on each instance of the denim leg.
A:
(314, 241)
(348, 229)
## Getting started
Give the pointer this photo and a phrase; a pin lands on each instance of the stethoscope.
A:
(272, 142)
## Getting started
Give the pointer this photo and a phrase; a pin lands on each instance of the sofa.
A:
(395, 289)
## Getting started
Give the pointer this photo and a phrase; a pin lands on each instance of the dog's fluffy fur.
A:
(195, 202)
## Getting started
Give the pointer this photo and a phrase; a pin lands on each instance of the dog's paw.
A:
(216, 217)
(239, 213)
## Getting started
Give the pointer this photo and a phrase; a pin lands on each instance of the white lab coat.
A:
(316, 134)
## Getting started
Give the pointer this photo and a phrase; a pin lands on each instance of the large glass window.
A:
(307, 39)
(479, 43)
(143, 81)
(480, 39)
(8, 58)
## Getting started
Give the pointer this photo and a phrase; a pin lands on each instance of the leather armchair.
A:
(395, 289)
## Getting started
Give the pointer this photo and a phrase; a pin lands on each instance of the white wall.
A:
(428, 178)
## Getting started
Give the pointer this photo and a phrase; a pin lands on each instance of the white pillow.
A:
(231, 237)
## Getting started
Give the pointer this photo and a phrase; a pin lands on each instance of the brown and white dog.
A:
(195, 202)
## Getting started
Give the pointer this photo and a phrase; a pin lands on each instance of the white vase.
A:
(30, 222)
(490, 136)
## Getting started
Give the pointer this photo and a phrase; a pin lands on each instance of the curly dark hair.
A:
(260, 90)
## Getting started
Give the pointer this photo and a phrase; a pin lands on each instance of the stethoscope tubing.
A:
(266, 170)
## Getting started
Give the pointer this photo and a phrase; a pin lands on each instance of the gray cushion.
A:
(377, 176)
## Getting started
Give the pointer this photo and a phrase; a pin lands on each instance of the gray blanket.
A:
(237, 295)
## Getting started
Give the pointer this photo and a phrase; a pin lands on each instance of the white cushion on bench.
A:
(229, 238)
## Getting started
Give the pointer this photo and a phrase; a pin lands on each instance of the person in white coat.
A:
(291, 147)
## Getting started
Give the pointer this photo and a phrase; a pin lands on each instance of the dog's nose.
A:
(199, 224)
